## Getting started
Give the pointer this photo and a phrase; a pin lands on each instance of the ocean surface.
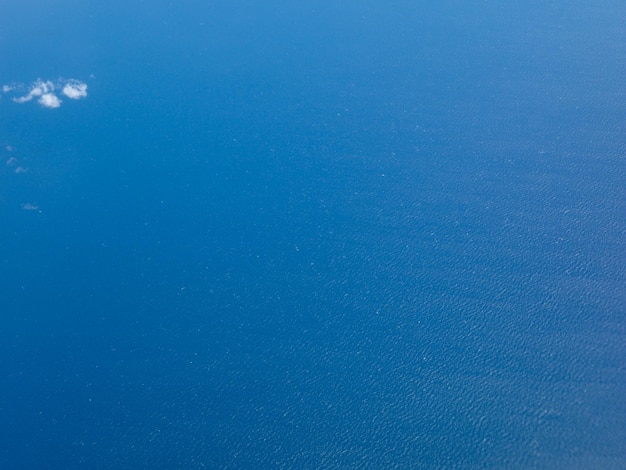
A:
(312, 234)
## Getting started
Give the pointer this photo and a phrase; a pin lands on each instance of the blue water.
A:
(314, 235)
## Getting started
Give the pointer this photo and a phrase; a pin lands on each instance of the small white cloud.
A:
(43, 87)
(27, 206)
(44, 91)
(23, 99)
(39, 88)
(75, 90)
(49, 100)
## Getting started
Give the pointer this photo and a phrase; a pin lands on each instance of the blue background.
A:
(348, 234)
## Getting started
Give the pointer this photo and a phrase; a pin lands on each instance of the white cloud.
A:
(28, 206)
(39, 88)
(49, 100)
(45, 91)
(75, 90)
(23, 99)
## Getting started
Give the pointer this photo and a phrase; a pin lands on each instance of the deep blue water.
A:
(314, 235)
